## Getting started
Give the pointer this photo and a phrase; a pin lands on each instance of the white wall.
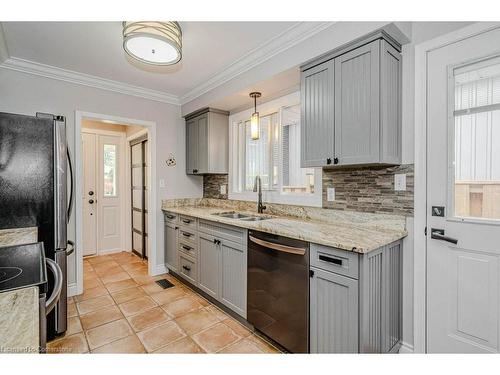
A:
(27, 94)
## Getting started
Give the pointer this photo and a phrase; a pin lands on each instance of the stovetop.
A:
(22, 266)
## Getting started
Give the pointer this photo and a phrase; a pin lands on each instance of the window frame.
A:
(237, 172)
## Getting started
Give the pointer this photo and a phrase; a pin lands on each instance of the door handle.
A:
(58, 284)
(91, 201)
(278, 247)
(438, 234)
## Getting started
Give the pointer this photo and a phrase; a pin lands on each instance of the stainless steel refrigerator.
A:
(34, 166)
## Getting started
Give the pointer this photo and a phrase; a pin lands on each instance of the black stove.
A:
(22, 266)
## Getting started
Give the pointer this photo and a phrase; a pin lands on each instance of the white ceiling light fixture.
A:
(152, 42)
(255, 119)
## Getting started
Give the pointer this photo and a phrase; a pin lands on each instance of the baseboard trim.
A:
(72, 290)
(160, 269)
(405, 348)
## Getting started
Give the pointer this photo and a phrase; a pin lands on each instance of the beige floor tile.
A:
(105, 265)
(72, 310)
(98, 291)
(98, 259)
(237, 327)
(155, 338)
(89, 275)
(74, 326)
(69, 344)
(138, 273)
(148, 319)
(183, 346)
(93, 304)
(100, 317)
(262, 344)
(128, 345)
(71, 301)
(137, 306)
(108, 333)
(152, 288)
(243, 346)
(109, 271)
(221, 315)
(168, 295)
(216, 338)
(196, 321)
(120, 276)
(92, 283)
(201, 300)
(135, 266)
(120, 285)
(142, 280)
(182, 306)
(126, 295)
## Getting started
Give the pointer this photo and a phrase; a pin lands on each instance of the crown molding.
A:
(47, 71)
(287, 39)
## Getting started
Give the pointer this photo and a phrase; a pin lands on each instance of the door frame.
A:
(420, 198)
(77, 288)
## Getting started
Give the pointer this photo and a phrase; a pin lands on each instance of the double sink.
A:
(239, 216)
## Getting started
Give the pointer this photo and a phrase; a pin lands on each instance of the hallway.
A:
(123, 310)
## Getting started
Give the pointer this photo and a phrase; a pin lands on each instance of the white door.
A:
(463, 175)
(109, 200)
(89, 194)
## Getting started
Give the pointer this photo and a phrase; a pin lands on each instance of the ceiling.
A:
(95, 48)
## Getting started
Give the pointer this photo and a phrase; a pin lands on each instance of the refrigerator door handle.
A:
(58, 284)
(71, 190)
(71, 247)
(61, 200)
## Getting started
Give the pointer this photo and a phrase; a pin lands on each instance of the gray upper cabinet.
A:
(234, 281)
(317, 104)
(209, 265)
(361, 89)
(207, 141)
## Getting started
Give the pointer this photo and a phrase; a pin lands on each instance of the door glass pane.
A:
(110, 170)
(477, 142)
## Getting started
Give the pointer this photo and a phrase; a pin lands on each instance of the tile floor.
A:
(123, 310)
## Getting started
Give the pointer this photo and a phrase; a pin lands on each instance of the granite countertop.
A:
(17, 236)
(19, 325)
(360, 236)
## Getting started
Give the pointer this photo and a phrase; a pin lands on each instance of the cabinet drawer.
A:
(334, 260)
(187, 268)
(171, 217)
(188, 235)
(188, 248)
(227, 232)
(187, 221)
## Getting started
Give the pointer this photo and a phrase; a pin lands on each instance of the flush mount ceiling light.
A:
(255, 120)
(151, 42)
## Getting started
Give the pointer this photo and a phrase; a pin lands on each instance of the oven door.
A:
(278, 289)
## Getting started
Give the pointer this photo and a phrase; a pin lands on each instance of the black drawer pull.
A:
(187, 268)
(186, 234)
(187, 248)
(187, 221)
(170, 216)
(336, 261)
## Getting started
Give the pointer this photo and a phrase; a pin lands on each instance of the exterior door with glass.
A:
(89, 194)
(109, 199)
(463, 195)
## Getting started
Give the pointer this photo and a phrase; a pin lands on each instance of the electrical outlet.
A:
(400, 182)
(223, 189)
(162, 183)
(330, 194)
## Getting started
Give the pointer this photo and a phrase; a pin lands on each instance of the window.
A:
(109, 161)
(275, 157)
(477, 140)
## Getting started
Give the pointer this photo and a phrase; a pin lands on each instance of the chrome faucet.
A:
(257, 187)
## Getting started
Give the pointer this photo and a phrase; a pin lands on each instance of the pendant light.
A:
(255, 120)
(152, 42)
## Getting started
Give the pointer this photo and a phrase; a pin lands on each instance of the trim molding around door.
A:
(153, 268)
(420, 200)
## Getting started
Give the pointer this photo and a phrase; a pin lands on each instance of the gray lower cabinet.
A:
(233, 276)
(171, 244)
(355, 300)
(351, 105)
(209, 265)
(334, 313)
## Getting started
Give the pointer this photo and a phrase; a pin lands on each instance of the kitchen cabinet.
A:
(171, 241)
(356, 300)
(233, 276)
(209, 265)
(351, 105)
(207, 142)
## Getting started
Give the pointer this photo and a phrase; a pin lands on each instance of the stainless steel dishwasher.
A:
(278, 289)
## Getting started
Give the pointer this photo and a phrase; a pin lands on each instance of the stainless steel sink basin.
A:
(232, 215)
(256, 218)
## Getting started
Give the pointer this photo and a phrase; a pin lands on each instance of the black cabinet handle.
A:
(186, 234)
(170, 216)
(187, 268)
(335, 160)
(216, 241)
(329, 161)
(186, 221)
(176, 228)
(187, 248)
(336, 261)
(195, 170)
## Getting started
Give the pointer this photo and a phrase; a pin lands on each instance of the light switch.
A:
(330, 194)
(162, 183)
(400, 182)
(223, 189)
